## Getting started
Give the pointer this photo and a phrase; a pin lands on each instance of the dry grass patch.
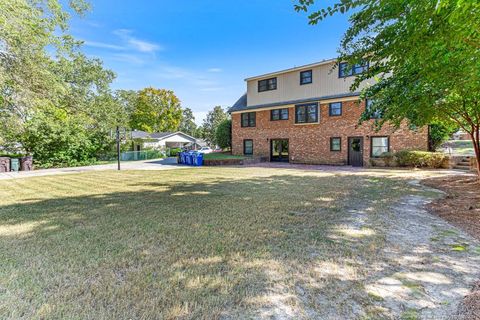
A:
(206, 243)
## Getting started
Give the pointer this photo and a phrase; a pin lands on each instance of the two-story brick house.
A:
(307, 114)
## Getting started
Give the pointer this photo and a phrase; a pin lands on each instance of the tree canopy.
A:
(187, 125)
(223, 134)
(423, 55)
(156, 110)
(55, 102)
(210, 124)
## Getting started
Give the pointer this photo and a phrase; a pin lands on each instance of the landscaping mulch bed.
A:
(461, 207)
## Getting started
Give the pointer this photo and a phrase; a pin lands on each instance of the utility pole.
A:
(118, 147)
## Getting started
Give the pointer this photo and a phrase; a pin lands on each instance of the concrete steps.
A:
(463, 164)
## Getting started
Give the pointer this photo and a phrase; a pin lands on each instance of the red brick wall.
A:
(310, 143)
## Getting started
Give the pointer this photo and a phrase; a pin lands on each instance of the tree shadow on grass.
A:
(276, 246)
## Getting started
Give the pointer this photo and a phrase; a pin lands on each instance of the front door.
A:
(279, 150)
(355, 151)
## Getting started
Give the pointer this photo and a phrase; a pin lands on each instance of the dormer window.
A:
(267, 85)
(306, 77)
(344, 70)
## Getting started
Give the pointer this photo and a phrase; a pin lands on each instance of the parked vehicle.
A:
(205, 150)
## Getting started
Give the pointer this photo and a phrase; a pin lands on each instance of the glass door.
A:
(279, 150)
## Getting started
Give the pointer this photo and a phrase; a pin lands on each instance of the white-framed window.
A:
(379, 146)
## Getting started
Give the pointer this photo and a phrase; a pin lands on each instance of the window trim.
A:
(330, 109)
(331, 144)
(244, 145)
(301, 77)
(267, 87)
(371, 145)
(317, 113)
(352, 70)
(279, 114)
(249, 118)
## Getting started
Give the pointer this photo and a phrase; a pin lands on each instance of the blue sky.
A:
(202, 49)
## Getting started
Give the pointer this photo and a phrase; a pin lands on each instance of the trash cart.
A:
(189, 159)
(179, 158)
(198, 160)
(26, 163)
(4, 164)
(14, 164)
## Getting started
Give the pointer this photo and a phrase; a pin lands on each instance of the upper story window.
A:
(344, 70)
(370, 109)
(306, 113)
(267, 84)
(306, 77)
(335, 109)
(248, 119)
(279, 114)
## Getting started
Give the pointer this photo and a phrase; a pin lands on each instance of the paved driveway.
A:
(160, 164)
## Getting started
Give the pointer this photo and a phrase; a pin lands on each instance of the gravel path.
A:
(428, 265)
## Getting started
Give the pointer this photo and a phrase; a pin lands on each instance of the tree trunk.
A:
(475, 135)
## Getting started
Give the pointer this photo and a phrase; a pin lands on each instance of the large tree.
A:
(187, 125)
(55, 102)
(223, 134)
(32, 34)
(210, 124)
(156, 110)
(423, 54)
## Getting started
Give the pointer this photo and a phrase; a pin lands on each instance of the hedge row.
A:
(417, 159)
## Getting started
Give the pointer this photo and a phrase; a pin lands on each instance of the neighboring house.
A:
(161, 140)
(308, 115)
(461, 135)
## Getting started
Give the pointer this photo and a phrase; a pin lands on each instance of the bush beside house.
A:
(412, 158)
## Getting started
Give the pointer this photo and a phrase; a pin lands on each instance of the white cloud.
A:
(135, 43)
(103, 45)
(214, 70)
(144, 46)
(128, 58)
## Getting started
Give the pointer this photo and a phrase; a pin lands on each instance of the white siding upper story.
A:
(325, 82)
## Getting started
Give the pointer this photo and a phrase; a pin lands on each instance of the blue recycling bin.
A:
(179, 158)
(194, 159)
(199, 159)
(189, 159)
(183, 155)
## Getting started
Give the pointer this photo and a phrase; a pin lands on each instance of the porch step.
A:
(462, 167)
(463, 164)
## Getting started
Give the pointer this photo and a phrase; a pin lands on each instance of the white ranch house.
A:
(163, 140)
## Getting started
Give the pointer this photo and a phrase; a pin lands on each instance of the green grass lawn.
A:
(205, 243)
(220, 156)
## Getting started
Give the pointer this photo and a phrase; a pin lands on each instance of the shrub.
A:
(388, 158)
(420, 159)
(175, 151)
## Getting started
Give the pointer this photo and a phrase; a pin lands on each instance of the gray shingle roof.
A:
(241, 104)
(159, 135)
(138, 134)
